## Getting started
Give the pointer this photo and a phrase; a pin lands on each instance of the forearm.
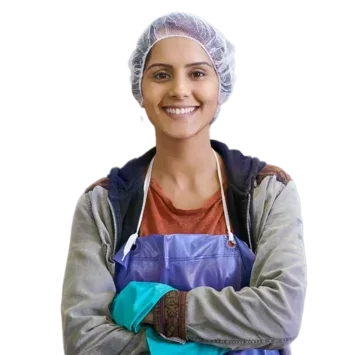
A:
(268, 313)
(88, 290)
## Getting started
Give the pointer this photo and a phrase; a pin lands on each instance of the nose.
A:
(179, 88)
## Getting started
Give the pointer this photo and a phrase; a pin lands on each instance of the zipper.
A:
(248, 223)
(114, 227)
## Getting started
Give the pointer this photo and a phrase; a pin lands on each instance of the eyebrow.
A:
(170, 66)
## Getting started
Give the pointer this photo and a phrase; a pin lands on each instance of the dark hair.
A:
(147, 59)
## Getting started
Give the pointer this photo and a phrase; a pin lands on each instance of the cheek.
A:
(209, 93)
(151, 94)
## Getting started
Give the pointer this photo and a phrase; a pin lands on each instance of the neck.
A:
(184, 162)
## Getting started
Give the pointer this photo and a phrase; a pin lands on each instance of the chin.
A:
(184, 134)
(167, 128)
(180, 137)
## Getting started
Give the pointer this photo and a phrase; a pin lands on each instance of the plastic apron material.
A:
(187, 261)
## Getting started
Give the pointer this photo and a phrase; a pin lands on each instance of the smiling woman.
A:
(193, 248)
(182, 77)
(180, 89)
(216, 47)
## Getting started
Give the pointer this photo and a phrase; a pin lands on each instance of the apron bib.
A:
(187, 261)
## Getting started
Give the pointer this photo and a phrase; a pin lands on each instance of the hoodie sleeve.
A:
(268, 313)
(89, 288)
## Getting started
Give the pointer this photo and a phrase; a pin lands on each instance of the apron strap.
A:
(145, 190)
(132, 239)
(225, 208)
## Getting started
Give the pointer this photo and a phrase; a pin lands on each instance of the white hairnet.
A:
(177, 24)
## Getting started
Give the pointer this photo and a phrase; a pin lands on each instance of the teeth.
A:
(181, 111)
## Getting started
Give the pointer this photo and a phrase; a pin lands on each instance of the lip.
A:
(180, 116)
(179, 107)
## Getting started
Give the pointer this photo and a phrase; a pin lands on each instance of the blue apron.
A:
(187, 261)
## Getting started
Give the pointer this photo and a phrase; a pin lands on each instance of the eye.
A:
(198, 74)
(161, 76)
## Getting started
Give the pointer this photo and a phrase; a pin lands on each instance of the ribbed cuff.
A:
(169, 315)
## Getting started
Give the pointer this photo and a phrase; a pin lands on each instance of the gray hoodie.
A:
(265, 212)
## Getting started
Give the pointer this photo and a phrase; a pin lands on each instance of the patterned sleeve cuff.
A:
(169, 315)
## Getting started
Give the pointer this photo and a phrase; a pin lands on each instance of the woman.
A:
(193, 240)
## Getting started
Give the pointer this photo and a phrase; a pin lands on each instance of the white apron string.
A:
(132, 239)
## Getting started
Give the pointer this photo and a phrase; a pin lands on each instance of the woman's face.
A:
(178, 78)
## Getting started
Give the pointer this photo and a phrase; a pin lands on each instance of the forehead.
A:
(178, 51)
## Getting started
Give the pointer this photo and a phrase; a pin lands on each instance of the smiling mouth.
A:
(180, 112)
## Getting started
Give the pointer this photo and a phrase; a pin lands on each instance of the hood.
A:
(241, 170)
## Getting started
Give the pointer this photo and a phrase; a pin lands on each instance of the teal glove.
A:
(158, 345)
(131, 306)
(136, 300)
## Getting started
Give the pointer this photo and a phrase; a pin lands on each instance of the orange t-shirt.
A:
(162, 217)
